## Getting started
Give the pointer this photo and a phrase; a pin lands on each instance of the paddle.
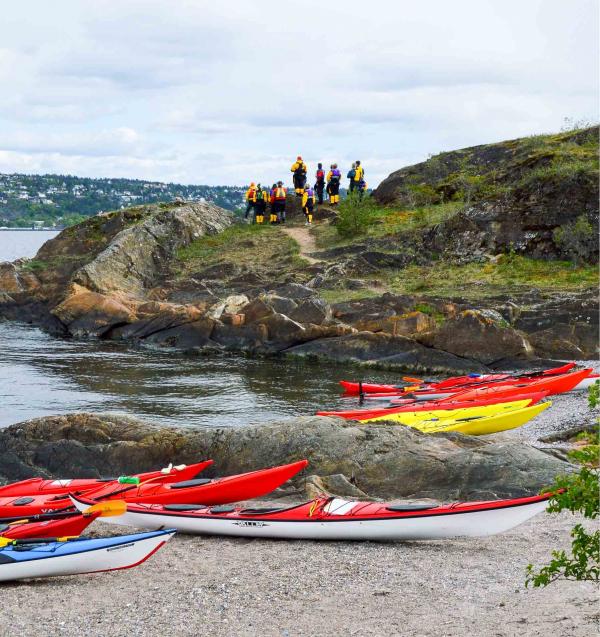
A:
(107, 509)
(7, 541)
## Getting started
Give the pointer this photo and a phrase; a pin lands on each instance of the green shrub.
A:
(356, 215)
(578, 493)
(577, 240)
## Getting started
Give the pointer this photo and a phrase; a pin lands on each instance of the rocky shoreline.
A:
(120, 276)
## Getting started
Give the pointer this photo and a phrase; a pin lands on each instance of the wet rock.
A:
(385, 462)
(473, 335)
(88, 313)
(385, 352)
(188, 336)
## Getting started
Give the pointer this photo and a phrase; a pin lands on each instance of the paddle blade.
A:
(410, 379)
(107, 509)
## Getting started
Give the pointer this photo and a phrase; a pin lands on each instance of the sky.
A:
(224, 93)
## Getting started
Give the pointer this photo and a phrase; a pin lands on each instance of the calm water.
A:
(42, 375)
(22, 243)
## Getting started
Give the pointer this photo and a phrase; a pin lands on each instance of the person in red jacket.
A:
(320, 182)
(278, 196)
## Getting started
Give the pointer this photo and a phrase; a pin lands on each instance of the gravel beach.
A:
(240, 587)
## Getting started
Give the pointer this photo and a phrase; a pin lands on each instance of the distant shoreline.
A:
(31, 229)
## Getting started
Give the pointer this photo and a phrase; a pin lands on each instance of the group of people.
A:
(258, 197)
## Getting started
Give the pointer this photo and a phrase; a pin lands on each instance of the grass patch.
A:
(243, 245)
(341, 296)
(510, 272)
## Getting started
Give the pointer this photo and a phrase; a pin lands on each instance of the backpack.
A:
(260, 195)
(351, 173)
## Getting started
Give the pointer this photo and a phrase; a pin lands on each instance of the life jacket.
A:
(358, 173)
(251, 194)
(320, 176)
(280, 194)
(260, 195)
(335, 175)
(299, 168)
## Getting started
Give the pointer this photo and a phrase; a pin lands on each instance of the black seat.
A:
(22, 501)
(409, 506)
(198, 482)
(225, 508)
(261, 510)
(184, 507)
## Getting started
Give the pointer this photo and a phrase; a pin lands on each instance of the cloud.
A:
(206, 92)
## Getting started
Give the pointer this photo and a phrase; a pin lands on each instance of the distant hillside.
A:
(64, 199)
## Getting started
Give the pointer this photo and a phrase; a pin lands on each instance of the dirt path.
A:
(305, 240)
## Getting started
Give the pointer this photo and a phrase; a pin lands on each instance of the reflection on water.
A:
(41, 375)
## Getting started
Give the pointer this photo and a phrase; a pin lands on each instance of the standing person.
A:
(250, 199)
(359, 174)
(308, 204)
(362, 187)
(333, 184)
(260, 206)
(273, 216)
(299, 169)
(278, 203)
(351, 174)
(320, 182)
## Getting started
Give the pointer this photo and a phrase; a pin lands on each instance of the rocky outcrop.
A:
(382, 461)
(474, 335)
(516, 194)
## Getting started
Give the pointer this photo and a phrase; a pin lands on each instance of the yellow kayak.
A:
(480, 426)
(412, 417)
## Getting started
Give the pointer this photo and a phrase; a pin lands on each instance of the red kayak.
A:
(454, 382)
(41, 486)
(71, 526)
(244, 486)
(363, 414)
(551, 385)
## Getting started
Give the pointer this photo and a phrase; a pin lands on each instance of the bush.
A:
(577, 493)
(356, 215)
(577, 240)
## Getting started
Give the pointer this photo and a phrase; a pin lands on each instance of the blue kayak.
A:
(49, 557)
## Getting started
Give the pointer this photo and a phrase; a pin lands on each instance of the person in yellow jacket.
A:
(308, 204)
(250, 199)
(356, 174)
(260, 203)
(278, 198)
(334, 177)
(299, 169)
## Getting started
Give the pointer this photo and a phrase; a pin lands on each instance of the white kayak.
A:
(586, 383)
(24, 559)
(336, 519)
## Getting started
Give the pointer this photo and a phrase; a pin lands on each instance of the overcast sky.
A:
(211, 92)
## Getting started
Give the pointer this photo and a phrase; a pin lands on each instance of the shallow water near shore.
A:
(41, 375)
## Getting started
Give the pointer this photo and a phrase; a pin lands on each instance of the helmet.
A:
(299, 158)
(319, 165)
(357, 162)
(280, 183)
(252, 184)
(334, 165)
